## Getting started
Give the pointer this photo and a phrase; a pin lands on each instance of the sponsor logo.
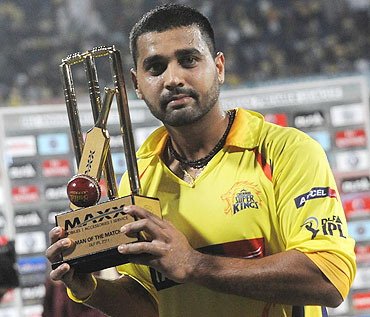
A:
(314, 193)
(277, 118)
(362, 253)
(96, 217)
(361, 301)
(27, 219)
(34, 292)
(25, 194)
(322, 137)
(357, 206)
(345, 115)
(30, 242)
(56, 167)
(358, 184)
(359, 230)
(32, 265)
(20, 146)
(22, 171)
(350, 138)
(242, 196)
(328, 226)
(50, 144)
(309, 120)
(352, 161)
(56, 193)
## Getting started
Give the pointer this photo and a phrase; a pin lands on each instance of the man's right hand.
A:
(81, 284)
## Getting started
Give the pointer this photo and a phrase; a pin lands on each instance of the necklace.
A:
(202, 162)
(188, 177)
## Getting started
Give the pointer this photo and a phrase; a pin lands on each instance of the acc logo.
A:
(242, 195)
(328, 226)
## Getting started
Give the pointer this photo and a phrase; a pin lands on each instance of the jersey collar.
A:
(244, 133)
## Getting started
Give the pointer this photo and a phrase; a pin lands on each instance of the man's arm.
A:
(120, 297)
(123, 297)
(288, 277)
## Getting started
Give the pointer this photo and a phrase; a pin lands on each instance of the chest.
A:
(230, 204)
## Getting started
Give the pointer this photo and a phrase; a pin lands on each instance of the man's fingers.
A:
(140, 248)
(145, 225)
(55, 234)
(142, 213)
(53, 253)
(60, 272)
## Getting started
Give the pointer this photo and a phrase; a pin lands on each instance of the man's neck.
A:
(196, 140)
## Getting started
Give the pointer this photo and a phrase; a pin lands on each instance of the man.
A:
(252, 223)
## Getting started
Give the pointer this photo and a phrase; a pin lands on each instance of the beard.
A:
(189, 114)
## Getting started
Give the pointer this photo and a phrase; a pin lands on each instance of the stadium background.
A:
(301, 63)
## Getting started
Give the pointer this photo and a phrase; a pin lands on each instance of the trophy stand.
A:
(94, 227)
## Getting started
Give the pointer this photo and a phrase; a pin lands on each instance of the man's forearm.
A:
(122, 297)
(287, 278)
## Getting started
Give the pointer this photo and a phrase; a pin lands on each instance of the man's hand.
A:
(168, 251)
(81, 285)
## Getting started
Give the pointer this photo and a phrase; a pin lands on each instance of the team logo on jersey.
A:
(314, 193)
(241, 196)
(329, 226)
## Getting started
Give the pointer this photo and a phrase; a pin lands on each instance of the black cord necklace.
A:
(204, 160)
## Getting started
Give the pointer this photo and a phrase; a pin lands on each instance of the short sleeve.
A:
(308, 204)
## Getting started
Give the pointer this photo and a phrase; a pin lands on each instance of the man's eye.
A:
(156, 69)
(189, 61)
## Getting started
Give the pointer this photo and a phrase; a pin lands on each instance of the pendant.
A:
(188, 177)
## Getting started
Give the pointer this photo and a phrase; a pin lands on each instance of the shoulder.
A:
(279, 141)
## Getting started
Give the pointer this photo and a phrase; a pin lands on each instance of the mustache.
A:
(169, 96)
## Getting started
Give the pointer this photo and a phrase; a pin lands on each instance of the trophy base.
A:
(95, 233)
(95, 262)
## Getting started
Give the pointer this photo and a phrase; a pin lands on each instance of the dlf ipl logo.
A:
(329, 226)
(242, 196)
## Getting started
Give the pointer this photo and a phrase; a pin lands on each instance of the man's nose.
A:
(173, 76)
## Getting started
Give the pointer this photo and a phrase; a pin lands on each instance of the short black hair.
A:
(168, 16)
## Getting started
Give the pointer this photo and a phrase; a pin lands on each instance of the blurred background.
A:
(301, 63)
(262, 40)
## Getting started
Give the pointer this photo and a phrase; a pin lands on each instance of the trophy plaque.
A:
(94, 227)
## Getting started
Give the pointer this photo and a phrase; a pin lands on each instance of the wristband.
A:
(75, 299)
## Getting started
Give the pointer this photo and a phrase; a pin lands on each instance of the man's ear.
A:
(135, 84)
(220, 65)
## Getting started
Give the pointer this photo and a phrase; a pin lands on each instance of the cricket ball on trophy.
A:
(83, 190)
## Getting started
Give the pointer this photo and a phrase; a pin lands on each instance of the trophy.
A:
(94, 227)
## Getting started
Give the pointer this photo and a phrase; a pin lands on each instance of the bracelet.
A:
(77, 300)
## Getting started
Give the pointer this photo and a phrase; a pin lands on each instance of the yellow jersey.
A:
(270, 189)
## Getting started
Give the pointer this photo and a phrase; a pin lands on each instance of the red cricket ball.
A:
(83, 190)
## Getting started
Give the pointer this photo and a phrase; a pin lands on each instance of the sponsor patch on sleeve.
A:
(314, 193)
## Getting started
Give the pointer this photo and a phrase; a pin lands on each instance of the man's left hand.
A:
(169, 252)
